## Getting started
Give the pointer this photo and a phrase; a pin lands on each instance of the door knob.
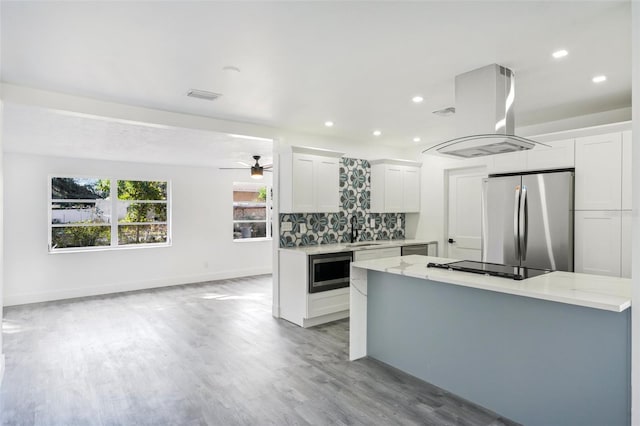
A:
(451, 241)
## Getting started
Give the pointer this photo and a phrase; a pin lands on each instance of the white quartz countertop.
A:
(362, 245)
(593, 291)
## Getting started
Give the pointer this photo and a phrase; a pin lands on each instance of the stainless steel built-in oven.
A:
(329, 271)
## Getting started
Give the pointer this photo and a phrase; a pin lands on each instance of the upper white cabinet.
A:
(395, 186)
(598, 183)
(557, 155)
(626, 170)
(309, 180)
(508, 163)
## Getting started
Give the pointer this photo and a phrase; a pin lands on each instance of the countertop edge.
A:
(471, 280)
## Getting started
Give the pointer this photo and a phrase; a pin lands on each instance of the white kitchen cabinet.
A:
(395, 186)
(411, 189)
(309, 180)
(598, 242)
(626, 171)
(626, 245)
(376, 253)
(598, 184)
(558, 155)
(508, 162)
(299, 306)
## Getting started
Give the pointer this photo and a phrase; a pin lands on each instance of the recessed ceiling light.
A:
(377, 133)
(416, 139)
(328, 123)
(559, 54)
(599, 78)
(203, 94)
(417, 99)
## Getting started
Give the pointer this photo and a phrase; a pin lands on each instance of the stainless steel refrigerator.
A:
(527, 220)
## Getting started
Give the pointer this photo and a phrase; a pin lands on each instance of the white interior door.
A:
(465, 213)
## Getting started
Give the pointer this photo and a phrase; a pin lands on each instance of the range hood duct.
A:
(484, 115)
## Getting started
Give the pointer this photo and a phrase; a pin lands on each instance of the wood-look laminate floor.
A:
(202, 354)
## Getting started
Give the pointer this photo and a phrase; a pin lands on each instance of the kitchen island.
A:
(549, 350)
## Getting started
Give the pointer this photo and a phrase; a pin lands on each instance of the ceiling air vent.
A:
(203, 94)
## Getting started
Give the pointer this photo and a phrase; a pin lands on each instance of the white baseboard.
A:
(71, 293)
(1, 368)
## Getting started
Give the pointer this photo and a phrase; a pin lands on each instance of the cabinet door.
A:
(559, 155)
(509, 162)
(411, 190)
(327, 185)
(393, 189)
(598, 175)
(626, 171)
(376, 253)
(598, 242)
(625, 246)
(303, 183)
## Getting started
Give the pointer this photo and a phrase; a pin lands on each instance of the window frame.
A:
(114, 222)
(268, 215)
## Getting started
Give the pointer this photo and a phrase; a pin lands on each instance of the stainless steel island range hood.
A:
(484, 115)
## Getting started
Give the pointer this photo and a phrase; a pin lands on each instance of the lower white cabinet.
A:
(299, 306)
(598, 242)
(376, 253)
(306, 309)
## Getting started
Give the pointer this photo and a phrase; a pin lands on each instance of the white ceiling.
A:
(355, 63)
(40, 131)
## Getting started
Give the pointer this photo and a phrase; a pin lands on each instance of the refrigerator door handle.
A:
(523, 230)
(516, 222)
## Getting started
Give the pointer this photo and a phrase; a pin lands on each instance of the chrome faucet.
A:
(354, 231)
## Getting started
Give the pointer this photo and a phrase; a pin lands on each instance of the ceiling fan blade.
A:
(267, 166)
(242, 163)
(233, 168)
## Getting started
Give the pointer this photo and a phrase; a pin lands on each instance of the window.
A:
(251, 211)
(81, 213)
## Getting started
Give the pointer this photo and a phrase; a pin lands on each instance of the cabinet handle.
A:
(451, 241)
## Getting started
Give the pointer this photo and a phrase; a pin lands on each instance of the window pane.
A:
(249, 230)
(141, 212)
(142, 190)
(142, 234)
(249, 213)
(245, 193)
(78, 188)
(74, 212)
(80, 236)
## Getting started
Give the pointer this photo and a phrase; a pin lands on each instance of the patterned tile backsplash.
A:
(355, 196)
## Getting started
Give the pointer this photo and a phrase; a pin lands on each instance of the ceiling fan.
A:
(256, 170)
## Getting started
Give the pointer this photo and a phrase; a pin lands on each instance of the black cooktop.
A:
(494, 269)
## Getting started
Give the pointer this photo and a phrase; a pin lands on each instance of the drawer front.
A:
(328, 302)
(376, 253)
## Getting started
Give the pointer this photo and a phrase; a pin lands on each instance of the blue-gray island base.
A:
(534, 361)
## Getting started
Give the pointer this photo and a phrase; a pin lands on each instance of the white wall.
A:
(1, 244)
(201, 228)
(635, 271)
